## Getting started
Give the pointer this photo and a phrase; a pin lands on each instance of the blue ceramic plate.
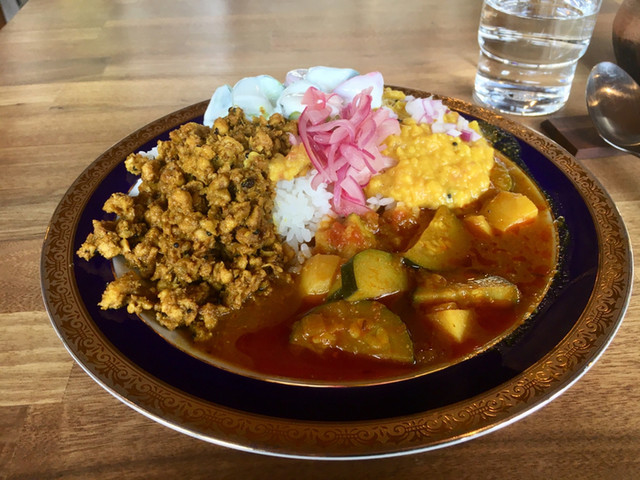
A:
(574, 324)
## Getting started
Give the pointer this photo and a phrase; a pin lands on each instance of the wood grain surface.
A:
(76, 77)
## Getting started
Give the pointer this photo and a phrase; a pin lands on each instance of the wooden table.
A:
(75, 77)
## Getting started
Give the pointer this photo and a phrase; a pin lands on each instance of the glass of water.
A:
(529, 50)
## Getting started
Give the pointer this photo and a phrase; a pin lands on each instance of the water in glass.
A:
(529, 50)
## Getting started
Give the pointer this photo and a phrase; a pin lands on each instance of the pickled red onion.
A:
(432, 111)
(346, 151)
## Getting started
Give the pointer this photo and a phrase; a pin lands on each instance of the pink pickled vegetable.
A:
(346, 150)
(432, 111)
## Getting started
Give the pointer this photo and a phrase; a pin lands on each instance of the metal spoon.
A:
(613, 101)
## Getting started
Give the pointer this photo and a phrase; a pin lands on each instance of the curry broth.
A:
(256, 338)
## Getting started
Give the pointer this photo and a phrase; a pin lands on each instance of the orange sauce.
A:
(256, 338)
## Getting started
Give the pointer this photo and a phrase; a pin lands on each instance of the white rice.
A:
(298, 211)
(152, 154)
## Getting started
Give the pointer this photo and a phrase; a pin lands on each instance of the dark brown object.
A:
(578, 135)
(626, 37)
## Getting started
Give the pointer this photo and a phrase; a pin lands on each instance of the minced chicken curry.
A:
(199, 234)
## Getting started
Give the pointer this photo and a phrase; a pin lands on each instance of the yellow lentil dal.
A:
(433, 169)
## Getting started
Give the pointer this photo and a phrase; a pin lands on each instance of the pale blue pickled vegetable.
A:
(221, 101)
(354, 85)
(290, 101)
(263, 95)
(328, 78)
(257, 96)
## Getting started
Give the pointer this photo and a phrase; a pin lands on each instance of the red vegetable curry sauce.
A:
(256, 338)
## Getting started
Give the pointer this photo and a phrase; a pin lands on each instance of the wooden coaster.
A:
(579, 136)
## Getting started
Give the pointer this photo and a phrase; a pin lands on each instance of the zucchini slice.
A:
(365, 328)
(372, 274)
(443, 245)
(489, 291)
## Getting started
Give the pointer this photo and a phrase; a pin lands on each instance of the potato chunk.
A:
(455, 323)
(508, 209)
(478, 226)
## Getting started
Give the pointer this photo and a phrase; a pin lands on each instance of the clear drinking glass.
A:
(529, 50)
